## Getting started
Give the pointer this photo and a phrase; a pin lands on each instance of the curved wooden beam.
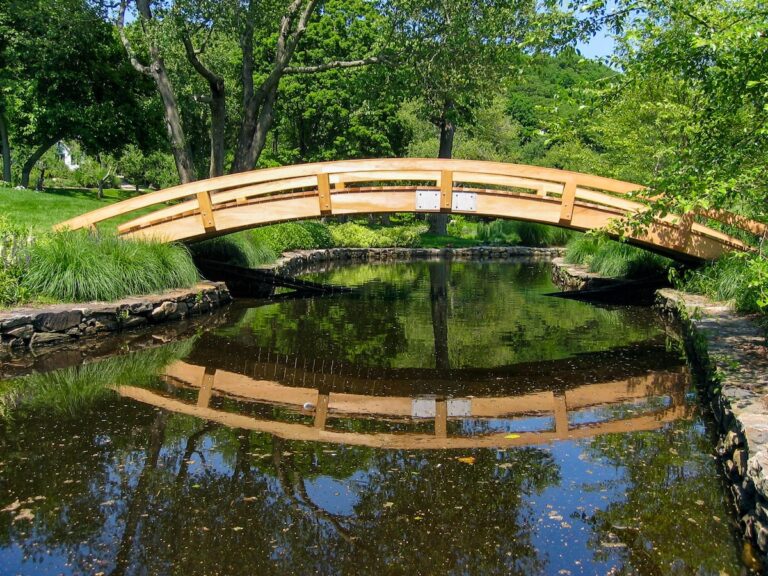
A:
(217, 206)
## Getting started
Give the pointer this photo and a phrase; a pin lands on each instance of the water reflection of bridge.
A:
(651, 397)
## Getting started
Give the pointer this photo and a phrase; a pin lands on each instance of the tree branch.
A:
(199, 67)
(333, 65)
(141, 68)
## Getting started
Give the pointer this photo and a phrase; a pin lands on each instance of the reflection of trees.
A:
(399, 318)
(666, 518)
(169, 494)
(438, 298)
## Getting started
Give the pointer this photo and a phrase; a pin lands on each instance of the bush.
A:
(737, 277)
(81, 266)
(351, 235)
(497, 232)
(293, 236)
(239, 249)
(614, 259)
(15, 244)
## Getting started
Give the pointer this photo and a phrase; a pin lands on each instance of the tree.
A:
(457, 51)
(70, 81)
(710, 57)
(264, 39)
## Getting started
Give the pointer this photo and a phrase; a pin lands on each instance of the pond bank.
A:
(59, 324)
(729, 353)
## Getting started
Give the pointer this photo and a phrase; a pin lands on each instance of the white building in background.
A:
(63, 152)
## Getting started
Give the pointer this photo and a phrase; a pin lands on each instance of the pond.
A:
(443, 418)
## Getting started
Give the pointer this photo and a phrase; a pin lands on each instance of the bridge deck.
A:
(209, 208)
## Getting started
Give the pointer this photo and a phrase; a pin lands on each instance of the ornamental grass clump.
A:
(614, 259)
(240, 249)
(81, 266)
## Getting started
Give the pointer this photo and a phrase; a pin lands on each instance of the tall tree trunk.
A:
(182, 154)
(438, 223)
(6, 145)
(26, 169)
(218, 126)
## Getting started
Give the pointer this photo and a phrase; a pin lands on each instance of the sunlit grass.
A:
(614, 259)
(82, 266)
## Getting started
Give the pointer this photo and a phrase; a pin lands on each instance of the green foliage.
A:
(239, 249)
(614, 259)
(739, 278)
(534, 234)
(92, 174)
(293, 236)
(352, 235)
(133, 165)
(497, 232)
(160, 171)
(82, 266)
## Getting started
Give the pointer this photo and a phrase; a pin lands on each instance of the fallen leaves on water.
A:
(388, 504)
(24, 514)
(12, 506)
(466, 459)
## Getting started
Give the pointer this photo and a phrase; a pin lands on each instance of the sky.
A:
(599, 46)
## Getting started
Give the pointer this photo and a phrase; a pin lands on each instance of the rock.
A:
(761, 535)
(24, 332)
(47, 339)
(163, 311)
(740, 459)
(141, 308)
(57, 321)
(134, 322)
(14, 322)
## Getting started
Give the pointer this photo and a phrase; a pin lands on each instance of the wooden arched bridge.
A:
(218, 206)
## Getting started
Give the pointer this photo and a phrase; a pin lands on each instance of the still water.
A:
(445, 418)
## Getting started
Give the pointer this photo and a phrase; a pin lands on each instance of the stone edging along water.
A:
(30, 328)
(729, 355)
(728, 351)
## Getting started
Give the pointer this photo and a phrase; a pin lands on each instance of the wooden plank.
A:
(206, 387)
(206, 211)
(561, 416)
(446, 190)
(324, 194)
(321, 410)
(568, 200)
(441, 418)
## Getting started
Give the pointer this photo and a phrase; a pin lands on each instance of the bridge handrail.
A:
(549, 183)
(231, 181)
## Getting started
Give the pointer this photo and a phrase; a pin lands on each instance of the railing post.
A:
(324, 193)
(567, 200)
(446, 190)
(321, 410)
(206, 210)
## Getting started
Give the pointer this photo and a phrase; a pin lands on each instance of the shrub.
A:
(497, 232)
(81, 266)
(352, 235)
(293, 236)
(240, 249)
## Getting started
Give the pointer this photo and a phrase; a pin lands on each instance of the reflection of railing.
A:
(571, 199)
(210, 383)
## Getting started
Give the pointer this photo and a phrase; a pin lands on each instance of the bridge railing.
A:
(440, 177)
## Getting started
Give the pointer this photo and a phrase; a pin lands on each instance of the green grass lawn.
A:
(41, 210)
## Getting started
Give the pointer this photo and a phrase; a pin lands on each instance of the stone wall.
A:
(577, 277)
(31, 328)
(730, 355)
